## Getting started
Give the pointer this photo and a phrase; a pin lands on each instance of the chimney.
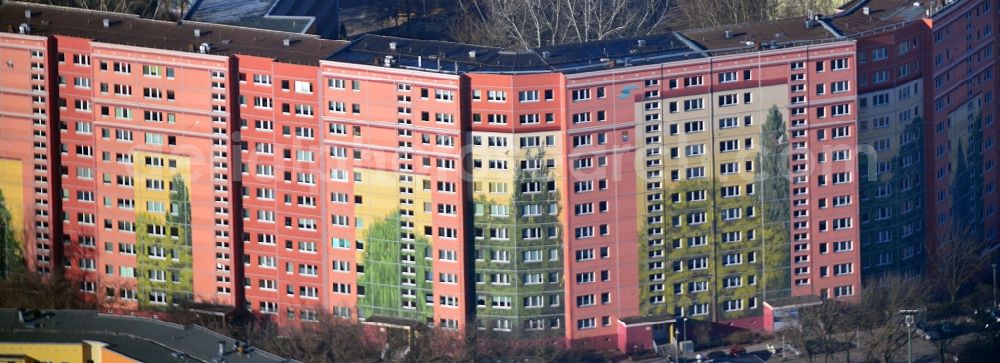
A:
(392, 45)
(106, 22)
(197, 33)
(866, 10)
(729, 34)
(286, 42)
(641, 43)
(27, 13)
(472, 54)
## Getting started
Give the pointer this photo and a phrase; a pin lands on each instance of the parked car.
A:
(715, 354)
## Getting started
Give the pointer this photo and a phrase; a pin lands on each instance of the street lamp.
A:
(684, 322)
(686, 327)
(908, 319)
(994, 286)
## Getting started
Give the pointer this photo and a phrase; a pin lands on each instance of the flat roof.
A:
(144, 339)
(433, 55)
(132, 30)
(450, 57)
(852, 20)
(283, 15)
(749, 36)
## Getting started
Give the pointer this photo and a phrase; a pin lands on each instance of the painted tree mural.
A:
(396, 271)
(11, 257)
(774, 188)
(171, 274)
(533, 246)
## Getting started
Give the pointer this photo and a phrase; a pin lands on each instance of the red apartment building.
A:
(593, 192)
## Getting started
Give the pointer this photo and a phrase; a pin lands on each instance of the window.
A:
(839, 64)
(727, 77)
(496, 96)
(303, 87)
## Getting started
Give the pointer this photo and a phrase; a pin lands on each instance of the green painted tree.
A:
(383, 278)
(516, 244)
(177, 244)
(11, 260)
(774, 188)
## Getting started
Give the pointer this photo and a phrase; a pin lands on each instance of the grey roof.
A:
(131, 30)
(144, 339)
(319, 17)
(450, 57)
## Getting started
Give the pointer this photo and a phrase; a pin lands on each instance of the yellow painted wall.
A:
(164, 173)
(11, 183)
(46, 352)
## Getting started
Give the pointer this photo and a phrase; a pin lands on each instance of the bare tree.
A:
(883, 331)
(956, 263)
(31, 291)
(153, 9)
(535, 23)
(825, 329)
(712, 13)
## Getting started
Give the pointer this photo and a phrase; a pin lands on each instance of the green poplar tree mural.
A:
(516, 245)
(774, 189)
(11, 260)
(177, 263)
(384, 281)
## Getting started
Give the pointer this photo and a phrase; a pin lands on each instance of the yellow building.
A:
(82, 352)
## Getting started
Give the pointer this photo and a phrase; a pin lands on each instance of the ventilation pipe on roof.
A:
(28, 13)
(472, 54)
(222, 348)
(197, 33)
(106, 22)
(810, 23)
(204, 48)
(286, 42)
(729, 34)
(546, 54)
(641, 43)
(866, 10)
(420, 61)
(392, 45)
(24, 28)
(387, 61)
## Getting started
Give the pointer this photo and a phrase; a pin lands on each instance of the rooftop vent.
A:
(866, 10)
(204, 48)
(286, 42)
(546, 54)
(810, 23)
(387, 61)
(106, 22)
(28, 13)
(24, 28)
(472, 54)
(197, 33)
(729, 34)
(392, 45)
(641, 43)
(916, 4)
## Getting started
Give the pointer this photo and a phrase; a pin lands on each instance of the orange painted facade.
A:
(551, 193)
